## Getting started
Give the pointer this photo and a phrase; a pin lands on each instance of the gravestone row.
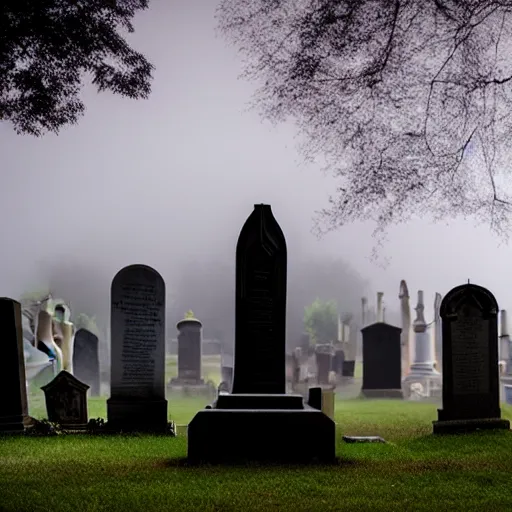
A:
(257, 420)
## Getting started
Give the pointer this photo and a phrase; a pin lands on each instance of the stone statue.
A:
(48, 336)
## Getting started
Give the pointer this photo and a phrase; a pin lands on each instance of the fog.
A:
(170, 181)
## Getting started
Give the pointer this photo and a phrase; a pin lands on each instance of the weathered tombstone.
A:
(137, 324)
(337, 361)
(13, 385)
(189, 357)
(66, 401)
(348, 368)
(323, 353)
(86, 362)
(469, 316)
(382, 374)
(258, 420)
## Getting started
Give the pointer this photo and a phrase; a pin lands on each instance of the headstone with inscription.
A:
(258, 420)
(470, 374)
(382, 374)
(137, 324)
(86, 362)
(66, 401)
(13, 386)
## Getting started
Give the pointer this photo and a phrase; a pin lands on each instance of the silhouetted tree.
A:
(47, 47)
(321, 321)
(409, 102)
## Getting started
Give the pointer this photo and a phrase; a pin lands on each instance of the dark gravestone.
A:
(469, 315)
(348, 368)
(260, 317)
(382, 374)
(66, 401)
(337, 361)
(137, 323)
(258, 421)
(86, 362)
(189, 352)
(323, 354)
(13, 386)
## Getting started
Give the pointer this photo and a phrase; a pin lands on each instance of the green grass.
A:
(413, 471)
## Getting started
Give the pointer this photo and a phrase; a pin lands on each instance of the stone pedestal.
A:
(189, 380)
(422, 372)
(263, 428)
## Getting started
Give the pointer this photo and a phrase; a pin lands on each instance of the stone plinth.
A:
(220, 435)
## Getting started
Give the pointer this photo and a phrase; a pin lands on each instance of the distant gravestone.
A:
(470, 374)
(13, 386)
(337, 361)
(66, 401)
(348, 368)
(258, 420)
(382, 374)
(137, 324)
(86, 362)
(189, 352)
(324, 354)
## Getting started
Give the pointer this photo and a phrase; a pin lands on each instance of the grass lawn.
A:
(414, 471)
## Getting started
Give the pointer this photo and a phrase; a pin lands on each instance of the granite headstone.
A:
(13, 386)
(86, 362)
(189, 352)
(137, 324)
(469, 315)
(66, 401)
(382, 354)
(258, 421)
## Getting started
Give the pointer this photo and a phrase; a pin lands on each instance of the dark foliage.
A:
(47, 49)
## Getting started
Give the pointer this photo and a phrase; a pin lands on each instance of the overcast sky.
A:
(174, 176)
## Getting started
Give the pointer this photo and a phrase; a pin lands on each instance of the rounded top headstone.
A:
(480, 296)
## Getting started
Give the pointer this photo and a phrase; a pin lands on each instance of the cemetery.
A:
(383, 417)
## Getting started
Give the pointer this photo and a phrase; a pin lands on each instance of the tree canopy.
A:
(406, 102)
(47, 47)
